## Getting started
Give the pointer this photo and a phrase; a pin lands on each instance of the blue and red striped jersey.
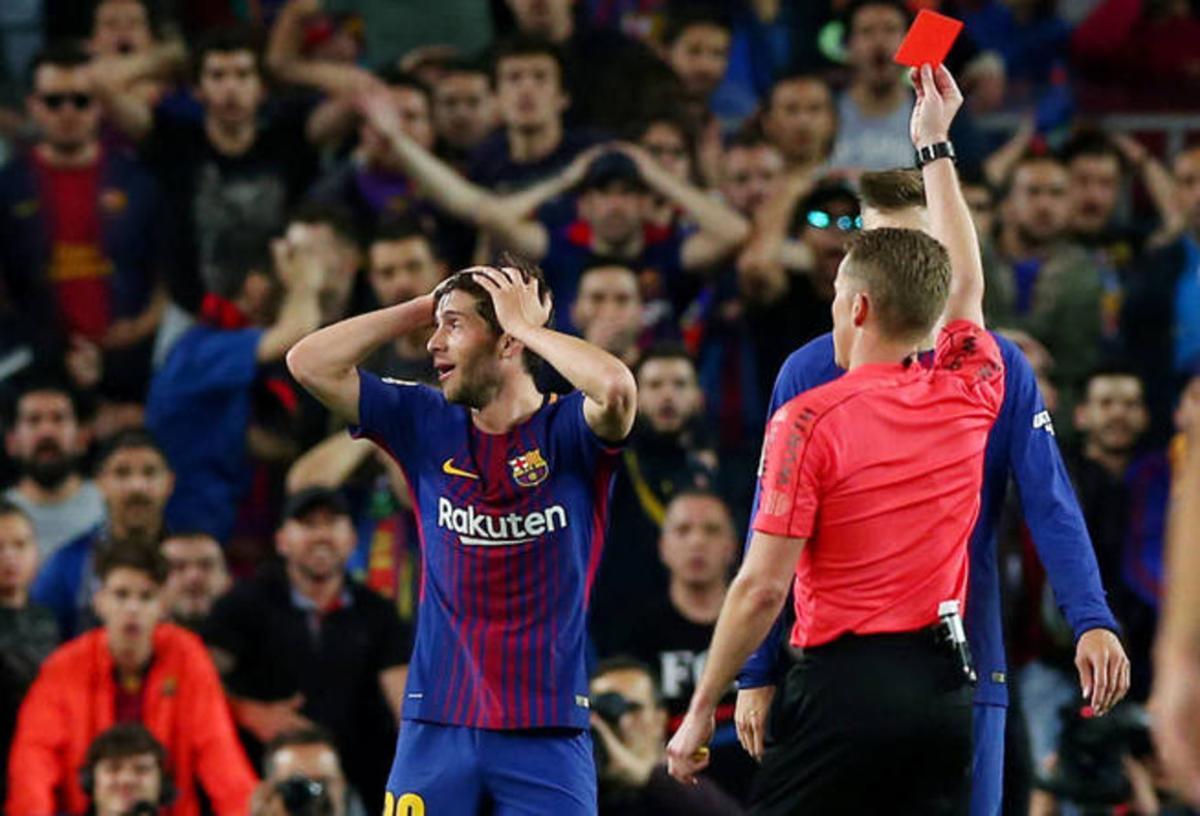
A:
(511, 528)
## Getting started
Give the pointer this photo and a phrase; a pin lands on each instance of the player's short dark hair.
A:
(227, 41)
(1093, 144)
(907, 275)
(312, 735)
(130, 439)
(665, 350)
(625, 662)
(11, 508)
(890, 190)
(61, 54)
(852, 10)
(123, 741)
(335, 216)
(464, 281)
(135, 555)
(684, 15)
(524, 45)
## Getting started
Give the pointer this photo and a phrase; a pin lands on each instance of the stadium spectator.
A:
(669, 141)
(308, 754)
(634, 779)
(307, 644)
(1039, 279)
(465, 110)
(401, 265)
(1028, 35)
(46, 439)
(800, 120)
(696, 39)
(667, 452)
(127, 58)
(1160, 320)
(327, 231)
(125, 771)
(981, 198)
(212, 375)
(698, 546)
(82, 246)
(196, 576)
(28, 633)
(751, 167)
(236, 171)
(607, 312)
(135, 481)
(136, 669)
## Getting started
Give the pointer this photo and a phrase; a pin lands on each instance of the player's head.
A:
(800, 118)
(316, 537)
(893, 283)
(311, 754)
(669, 394)
(1038, 206)
(893, 198)
(530, 86)
(126, 767)
(698, 544)
(1112, 413)
(229, 79)
(136, 481)
(130, 599)
(18, 554)
(472, 354)
(1094, 165)
(1187, 186)
(697, 40)
(750, 168)
(401, 263)
(197, 574)
(608, 307)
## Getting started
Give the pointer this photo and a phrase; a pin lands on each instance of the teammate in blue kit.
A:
(511, 491)
(1021, 445)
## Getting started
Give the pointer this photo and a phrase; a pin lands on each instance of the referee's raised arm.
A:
(938, 101)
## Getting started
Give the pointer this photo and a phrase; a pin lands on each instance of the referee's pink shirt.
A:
(881, 471)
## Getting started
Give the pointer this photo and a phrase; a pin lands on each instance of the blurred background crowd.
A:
(205, 582)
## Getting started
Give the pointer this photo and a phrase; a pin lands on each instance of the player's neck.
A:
(698, 603)
(517, 400)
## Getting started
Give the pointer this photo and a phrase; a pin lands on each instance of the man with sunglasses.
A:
(80, 233)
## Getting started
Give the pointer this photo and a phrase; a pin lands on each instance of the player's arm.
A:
(938, 100)
(1061, 537)
(326, 362)
(722, 228)
(609, 390)
(752, 605)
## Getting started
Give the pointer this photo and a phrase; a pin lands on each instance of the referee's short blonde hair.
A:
(906, 273)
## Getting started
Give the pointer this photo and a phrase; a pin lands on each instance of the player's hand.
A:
(938, 100)
(687, 752)
(750, 717)
(1175, 718)
(624, 764)
(1103, 669)
(515, 297)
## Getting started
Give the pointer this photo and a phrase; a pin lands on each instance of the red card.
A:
(929, 40)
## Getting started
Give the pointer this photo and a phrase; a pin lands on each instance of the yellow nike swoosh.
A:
(449, 469)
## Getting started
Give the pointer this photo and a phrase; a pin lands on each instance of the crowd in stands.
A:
(207, 586)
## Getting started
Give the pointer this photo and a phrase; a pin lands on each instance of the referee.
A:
(870, 489)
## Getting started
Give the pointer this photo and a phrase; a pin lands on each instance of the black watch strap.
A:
(937, 150)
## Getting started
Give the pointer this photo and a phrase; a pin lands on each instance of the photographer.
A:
(628, 727)
(302, 776)
(125, 773)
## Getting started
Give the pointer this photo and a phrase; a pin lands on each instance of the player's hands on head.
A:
(687, 752)
(1103, 669)
(938, 101)
(750, 717)
(515, 297)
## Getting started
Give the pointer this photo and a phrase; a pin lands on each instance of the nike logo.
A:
(450, 470)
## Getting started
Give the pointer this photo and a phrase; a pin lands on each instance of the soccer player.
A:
(1022, 446)
(871, 487)
(511, 488)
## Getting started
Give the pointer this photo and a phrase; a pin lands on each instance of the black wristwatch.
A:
(937, 150)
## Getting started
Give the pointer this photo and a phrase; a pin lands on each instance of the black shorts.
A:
(877, 724)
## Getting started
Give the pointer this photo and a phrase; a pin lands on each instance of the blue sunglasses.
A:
(819, 219)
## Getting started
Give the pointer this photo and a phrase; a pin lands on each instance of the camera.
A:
(305, 797)
(1090, 771)
(611, 707)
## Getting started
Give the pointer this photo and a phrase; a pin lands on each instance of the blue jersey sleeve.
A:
(804, 369)
(1050, 508)
(397, 415)
(575, 436)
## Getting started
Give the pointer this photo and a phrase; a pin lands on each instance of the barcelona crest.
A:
(529, 469)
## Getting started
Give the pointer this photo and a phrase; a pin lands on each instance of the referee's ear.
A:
(860, 308)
